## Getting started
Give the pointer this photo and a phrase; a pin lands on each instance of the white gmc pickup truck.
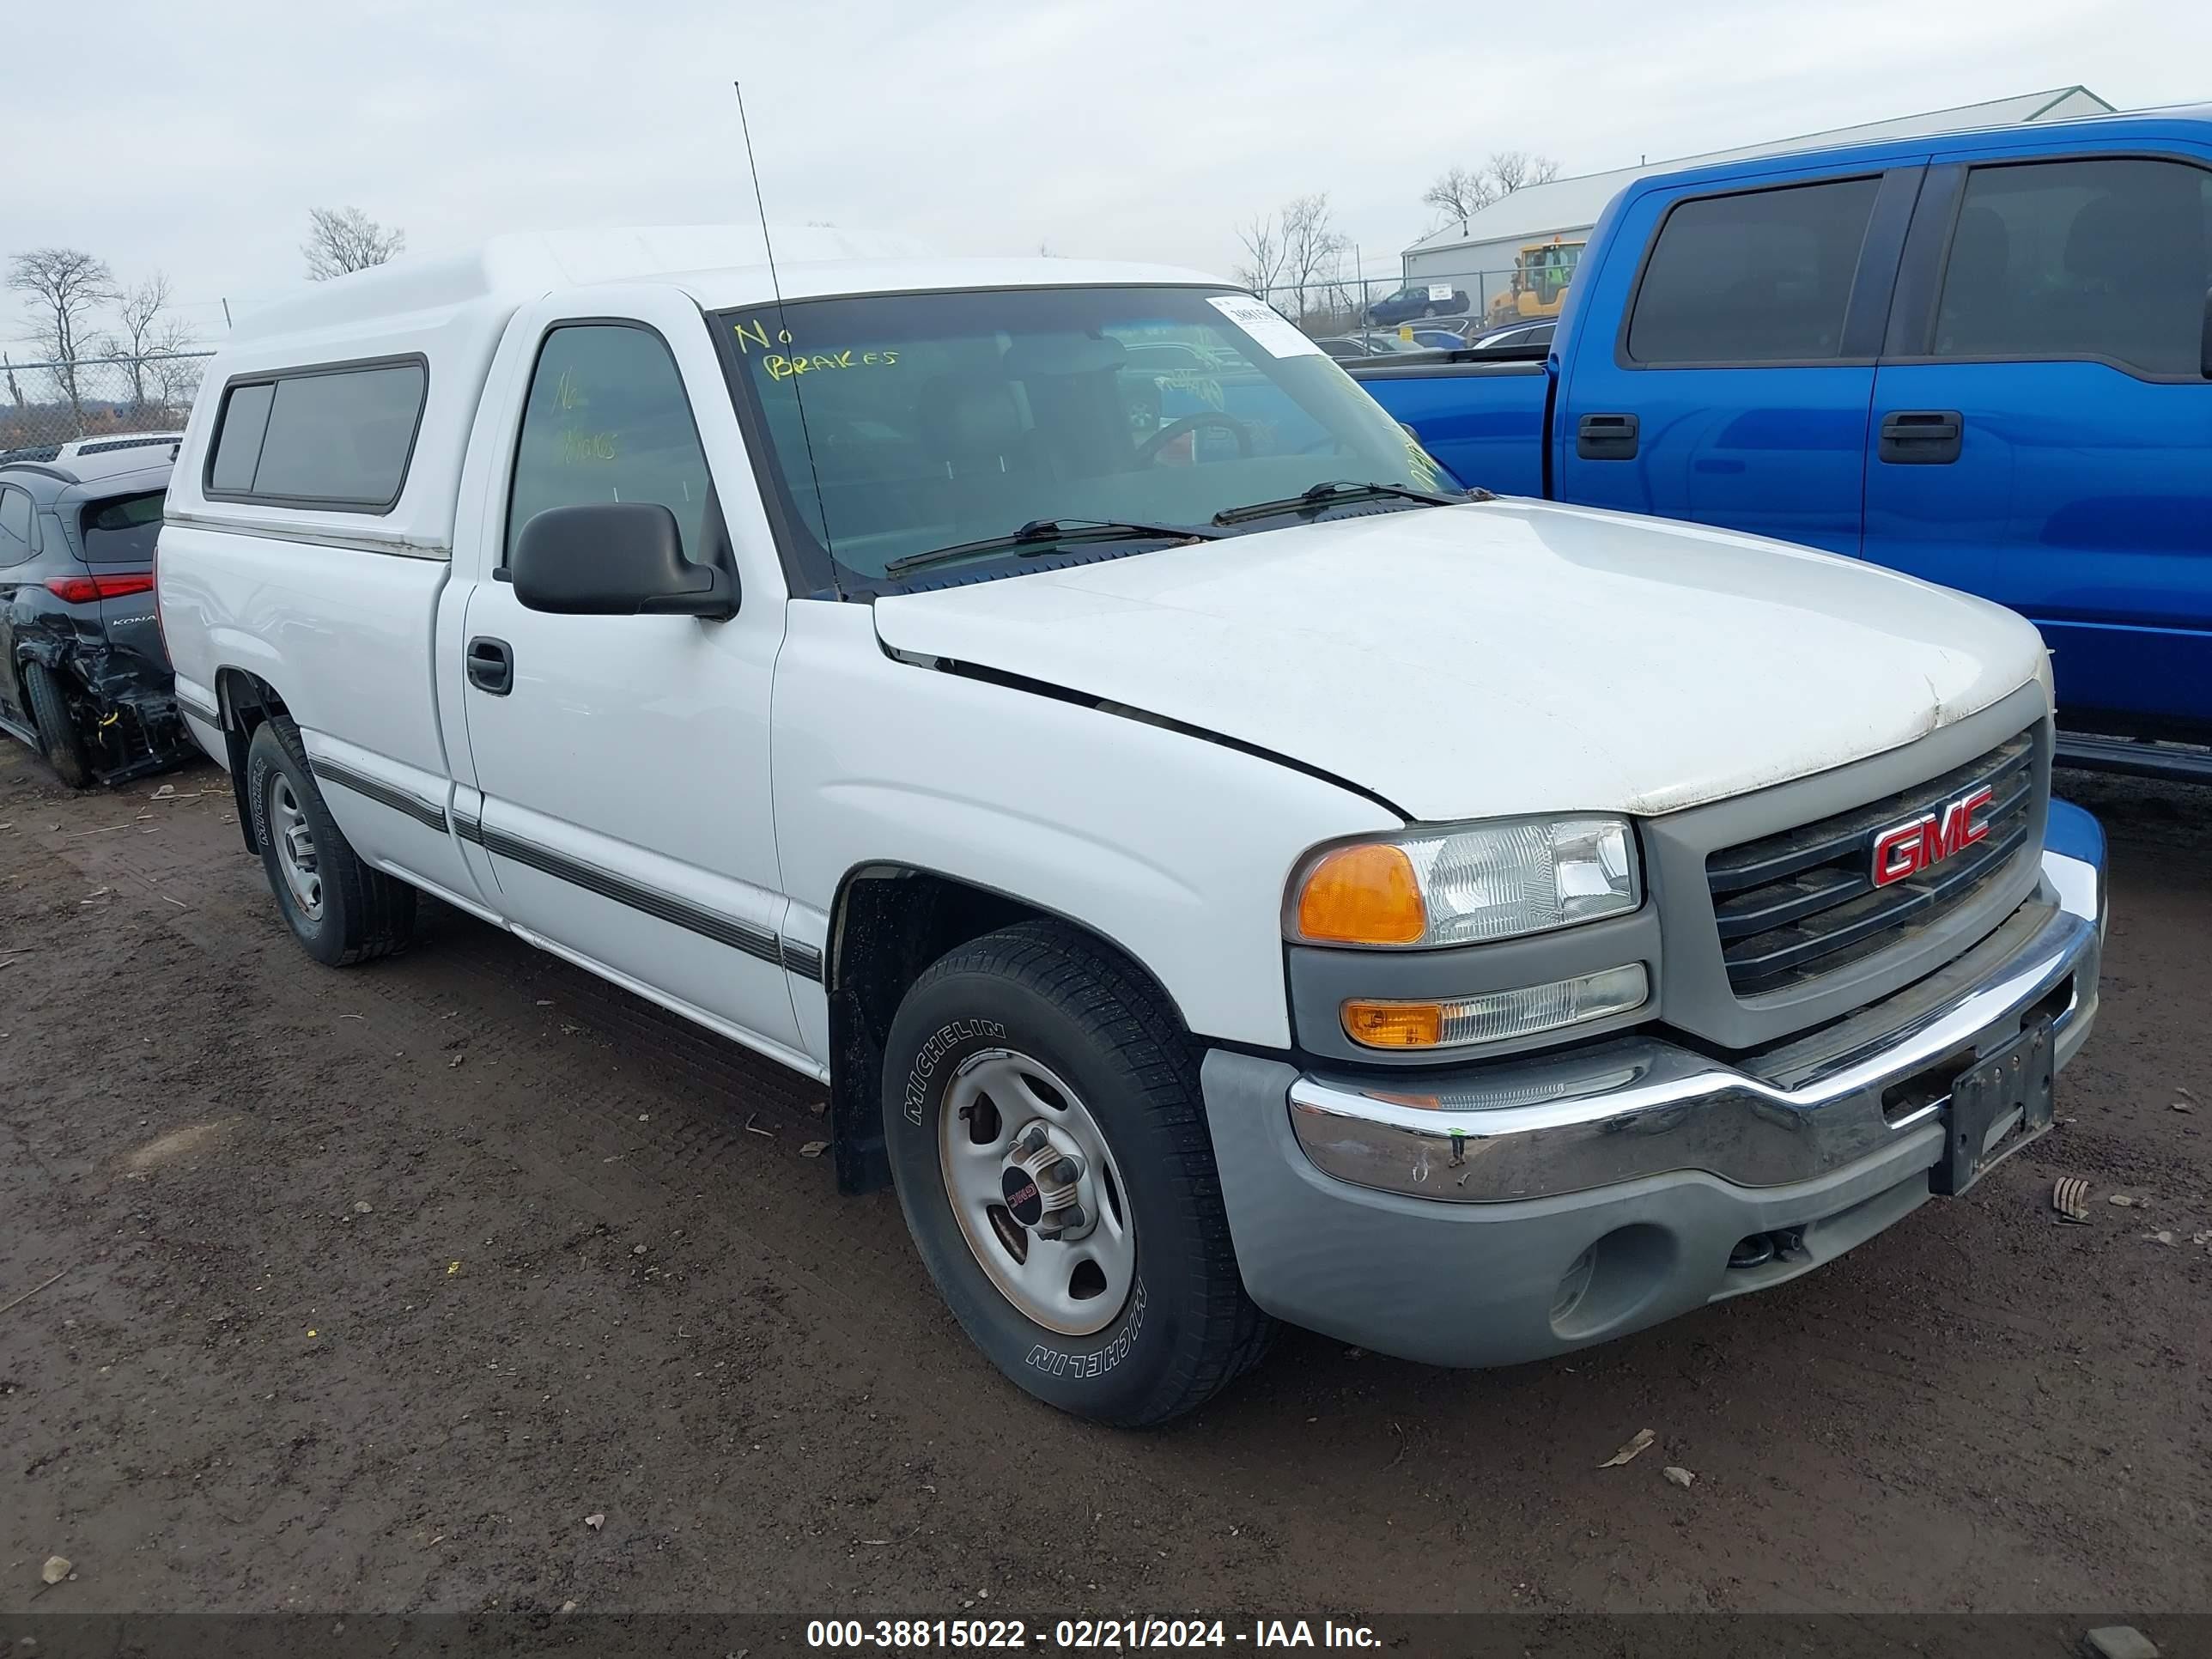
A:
(1224, 870)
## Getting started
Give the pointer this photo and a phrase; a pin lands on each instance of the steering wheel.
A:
(1167, 434)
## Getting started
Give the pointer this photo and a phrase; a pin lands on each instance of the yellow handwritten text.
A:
(780, 368)
(754, 332)
(1423, 464)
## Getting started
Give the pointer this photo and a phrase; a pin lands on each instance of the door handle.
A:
(491, 666)
(1606, 437)
(1921, 437)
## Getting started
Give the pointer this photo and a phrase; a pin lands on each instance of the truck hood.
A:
(1501, 657)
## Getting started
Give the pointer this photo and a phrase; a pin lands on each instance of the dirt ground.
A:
(367, 1290)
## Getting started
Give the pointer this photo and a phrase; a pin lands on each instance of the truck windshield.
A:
(898, 425)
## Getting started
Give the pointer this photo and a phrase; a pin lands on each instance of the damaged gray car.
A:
(88, 682)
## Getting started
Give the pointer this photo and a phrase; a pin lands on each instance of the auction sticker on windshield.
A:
(1266, 326)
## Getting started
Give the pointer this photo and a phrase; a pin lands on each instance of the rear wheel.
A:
(1042, 1107)
(340, 908)
(58, 739)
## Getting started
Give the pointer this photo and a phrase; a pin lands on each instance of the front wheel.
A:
(1048, 1145)
(343, 910)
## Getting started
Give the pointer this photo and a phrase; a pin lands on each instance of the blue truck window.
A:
(2107, 257)
(1759, 276)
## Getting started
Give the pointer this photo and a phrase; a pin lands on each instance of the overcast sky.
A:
(194, 137)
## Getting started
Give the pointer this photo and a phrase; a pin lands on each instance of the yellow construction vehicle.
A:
(1540, 281)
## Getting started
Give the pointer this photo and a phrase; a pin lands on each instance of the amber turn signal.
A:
(1395, 1024)
(1363, 895)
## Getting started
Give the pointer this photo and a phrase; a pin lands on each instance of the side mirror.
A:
(615, 559)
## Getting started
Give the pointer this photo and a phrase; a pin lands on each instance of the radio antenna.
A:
(783, 332)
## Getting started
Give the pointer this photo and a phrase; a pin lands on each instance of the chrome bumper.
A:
(1642, 1106)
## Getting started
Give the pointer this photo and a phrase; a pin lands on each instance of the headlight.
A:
(1464, 885)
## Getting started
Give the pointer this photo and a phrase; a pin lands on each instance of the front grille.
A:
(1802, 902)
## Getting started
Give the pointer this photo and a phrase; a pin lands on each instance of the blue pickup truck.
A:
(1983, 358)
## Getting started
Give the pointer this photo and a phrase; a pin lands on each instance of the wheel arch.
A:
(243, 700)
(40, 647)
(43, 637)
(889, 919)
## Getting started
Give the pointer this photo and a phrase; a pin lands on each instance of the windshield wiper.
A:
(1336, 490)
(1039, 536)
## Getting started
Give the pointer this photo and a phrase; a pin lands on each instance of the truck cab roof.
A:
(718, 265)
(2171, 121)
(448, 312)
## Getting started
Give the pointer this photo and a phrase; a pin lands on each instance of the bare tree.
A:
(341, 240)
(1262, 267)
(65, 286)
(1313, 252)
(1460, 194)
(176, 363)
(1518, 169)
(1296, 247)
(150, 332)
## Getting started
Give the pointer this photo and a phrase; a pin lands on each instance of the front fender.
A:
(1174, 848)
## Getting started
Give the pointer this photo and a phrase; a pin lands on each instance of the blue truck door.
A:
(1735, 390)
(2042, 418)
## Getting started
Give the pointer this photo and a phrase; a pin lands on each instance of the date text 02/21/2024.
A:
(1085, 1634)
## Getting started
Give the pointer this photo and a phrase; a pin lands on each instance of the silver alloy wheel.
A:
(294, 842)
(1037, 1194)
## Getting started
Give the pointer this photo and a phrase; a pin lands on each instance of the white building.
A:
(1486, 244)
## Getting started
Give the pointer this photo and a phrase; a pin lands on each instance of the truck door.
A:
(624, 760)
(2043, 416)
(1723, 362)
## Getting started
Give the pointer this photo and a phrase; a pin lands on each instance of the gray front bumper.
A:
(1509, 1211)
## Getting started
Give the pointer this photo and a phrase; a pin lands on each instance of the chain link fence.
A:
(44, 406)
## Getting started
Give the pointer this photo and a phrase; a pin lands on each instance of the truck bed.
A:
(1484, 419)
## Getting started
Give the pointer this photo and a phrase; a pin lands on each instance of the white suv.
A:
(1223, 870)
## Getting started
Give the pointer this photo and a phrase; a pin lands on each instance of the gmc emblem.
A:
(1906, 849)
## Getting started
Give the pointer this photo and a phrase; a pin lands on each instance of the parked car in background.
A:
(1379, 343)
(110, 443)
(1516, 336)
(1461, 329)
(1472, 928)
(1417, 300)
(88, 681)
(1980, 358)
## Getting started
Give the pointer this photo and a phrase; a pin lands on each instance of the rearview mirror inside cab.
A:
(615, 559)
